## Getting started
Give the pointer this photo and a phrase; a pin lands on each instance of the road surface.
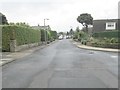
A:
(62, 65)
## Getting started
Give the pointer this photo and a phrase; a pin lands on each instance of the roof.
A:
(40, 27)
(108, 20)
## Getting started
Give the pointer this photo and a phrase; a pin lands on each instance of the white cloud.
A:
(62, 13)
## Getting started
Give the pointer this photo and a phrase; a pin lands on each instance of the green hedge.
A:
(107, 34)
(43, 35)
(50, 35)
(23, 35)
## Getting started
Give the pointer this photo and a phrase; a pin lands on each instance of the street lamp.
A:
(45, 30)
(44, 20)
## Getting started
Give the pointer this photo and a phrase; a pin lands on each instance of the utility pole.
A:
(45, 31)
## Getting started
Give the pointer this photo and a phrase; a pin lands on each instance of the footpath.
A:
(7, 57)
(78, 44)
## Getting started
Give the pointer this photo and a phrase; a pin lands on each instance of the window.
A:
(110, 25)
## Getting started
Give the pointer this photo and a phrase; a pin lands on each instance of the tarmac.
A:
(7, 57)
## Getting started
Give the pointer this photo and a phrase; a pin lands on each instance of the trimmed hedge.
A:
(43, 35)
(107, 34)
(23, 35)
(54, 34)
(50, 35)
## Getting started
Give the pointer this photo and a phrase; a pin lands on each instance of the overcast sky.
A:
(62, 13)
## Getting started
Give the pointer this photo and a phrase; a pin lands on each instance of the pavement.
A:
(7, 57)
(78, 44)
(62, 65)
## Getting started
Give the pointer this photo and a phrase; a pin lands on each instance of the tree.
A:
(85, 19)
(71, 32)
(3, 19)
(11, 23)
(77, 29)
(76, 33)
(67, 33)
(61, 33)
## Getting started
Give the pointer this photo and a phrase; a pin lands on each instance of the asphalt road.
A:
(62, 65)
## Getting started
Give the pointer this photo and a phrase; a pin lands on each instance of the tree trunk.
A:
(86, 28)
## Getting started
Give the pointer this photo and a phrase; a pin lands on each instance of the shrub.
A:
(43, 35)
(107, 34)
(23, 35)
(50, 35)
(83, 36)
(106, 39)
(75, 36)
(105, 42)
(53, 34)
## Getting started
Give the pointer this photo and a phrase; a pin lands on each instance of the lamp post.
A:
(45, 31)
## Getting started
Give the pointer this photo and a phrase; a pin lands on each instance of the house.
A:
(106, 25)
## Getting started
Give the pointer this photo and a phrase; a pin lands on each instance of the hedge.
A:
(50, 35)
(107, 34)
(54, 34)
(23, 35)
(43, 35)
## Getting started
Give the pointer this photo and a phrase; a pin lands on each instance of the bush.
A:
(107, 34)
(104, 43)
(84, 42)
(84, 35)
(106, 39)
(53, 35)
(75, 36)
(23, 35)
(43, 35)
(114, 40)
(50, 35)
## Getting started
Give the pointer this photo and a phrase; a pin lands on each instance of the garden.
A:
(106, 39)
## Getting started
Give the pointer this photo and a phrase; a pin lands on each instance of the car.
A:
(60, 37)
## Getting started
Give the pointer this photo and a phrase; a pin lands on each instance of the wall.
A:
(100, 25)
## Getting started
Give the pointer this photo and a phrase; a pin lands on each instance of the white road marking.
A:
(5, 59)
(114, 56)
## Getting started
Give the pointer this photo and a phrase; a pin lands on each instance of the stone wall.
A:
(15, 48)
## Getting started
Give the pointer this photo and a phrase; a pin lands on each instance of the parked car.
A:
(60, 37)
